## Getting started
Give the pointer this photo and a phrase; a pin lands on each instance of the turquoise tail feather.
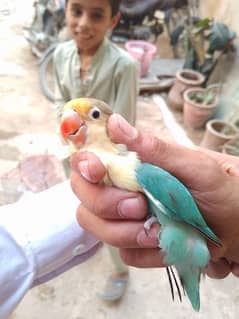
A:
(187, 251)
(190, 279)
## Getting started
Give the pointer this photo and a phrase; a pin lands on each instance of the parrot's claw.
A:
(148, 224)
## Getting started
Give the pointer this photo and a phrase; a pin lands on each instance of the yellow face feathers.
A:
(81, 106)
(87, 108)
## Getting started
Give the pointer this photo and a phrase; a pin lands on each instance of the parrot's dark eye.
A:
(94, 113)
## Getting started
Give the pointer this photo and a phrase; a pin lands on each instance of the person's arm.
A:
(127, 83)
(206, 175)
(39, 239)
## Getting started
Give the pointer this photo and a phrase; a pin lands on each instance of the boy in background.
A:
(91, 65)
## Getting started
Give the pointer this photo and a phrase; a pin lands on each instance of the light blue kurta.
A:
(113, 76)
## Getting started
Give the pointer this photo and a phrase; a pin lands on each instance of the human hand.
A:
(116, 221)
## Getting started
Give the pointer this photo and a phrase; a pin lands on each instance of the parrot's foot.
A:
(115, 287)
(148, 224)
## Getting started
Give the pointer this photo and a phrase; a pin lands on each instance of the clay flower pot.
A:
(185, 79)
(195, 114)
(231, 147)
(217, 133)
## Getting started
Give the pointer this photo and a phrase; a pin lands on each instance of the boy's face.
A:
(88, 22)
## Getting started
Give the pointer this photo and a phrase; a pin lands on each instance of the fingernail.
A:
(130, 208)
(84, 170)
(126, 128)
(148, 240)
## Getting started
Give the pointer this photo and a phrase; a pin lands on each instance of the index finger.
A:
(88, 165)
(104, 201)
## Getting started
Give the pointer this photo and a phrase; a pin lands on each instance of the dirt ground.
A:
(28, 127)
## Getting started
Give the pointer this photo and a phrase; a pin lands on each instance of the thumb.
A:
(177, 159)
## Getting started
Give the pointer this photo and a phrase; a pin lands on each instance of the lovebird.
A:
(183, 231)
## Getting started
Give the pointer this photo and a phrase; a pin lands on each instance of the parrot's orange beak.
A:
(73, 128)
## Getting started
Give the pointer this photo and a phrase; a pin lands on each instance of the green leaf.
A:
(203, 23)
(209, 97)
(200, 25)
(219, 37)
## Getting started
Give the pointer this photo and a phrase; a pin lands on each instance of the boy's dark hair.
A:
(115, 6)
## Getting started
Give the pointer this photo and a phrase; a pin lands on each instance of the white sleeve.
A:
(39, 239)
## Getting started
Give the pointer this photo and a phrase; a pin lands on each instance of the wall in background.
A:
(225, 11)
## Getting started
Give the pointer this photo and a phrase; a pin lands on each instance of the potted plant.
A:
(203, 42)
(217, 133)
(199, 105)
(231, 147)
(185, 79)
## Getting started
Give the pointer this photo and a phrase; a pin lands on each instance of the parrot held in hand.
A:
(183, 231)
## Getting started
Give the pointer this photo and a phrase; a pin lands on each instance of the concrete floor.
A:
(74, 296)
(28, 127)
